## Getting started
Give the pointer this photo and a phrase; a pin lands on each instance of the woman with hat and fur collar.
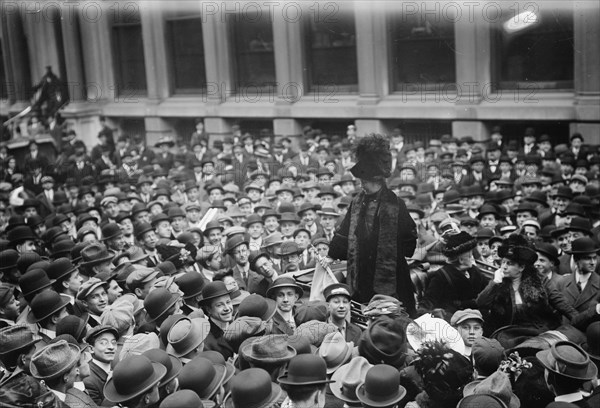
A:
(456, 284)
(518, 296)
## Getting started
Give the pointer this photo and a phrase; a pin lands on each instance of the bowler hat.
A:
(212, 225)
(191, 284)
(381, 387)
(568, 360)
(16, 337)
(94, 254)
(592, 346)
(59, 268)
(45, 304)
(74, 326)
(583, 245)
(564, 191)
(273, 349)
(581, 224)
(284, 282)
(141, 228)
(158, 302)
(8, 259)
(348, 377)
(257, 306)
(548, 250)
(202, 376)
(110, 231)
(62, 248)
(253, 388)
(133, 376)
(20, 234)
(213, 290)
(157, 218)
(171, 363)
(305, 369)
(289, 217)
(54, 360)
(34, 281)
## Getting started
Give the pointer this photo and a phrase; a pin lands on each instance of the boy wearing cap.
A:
(337, 296)
(94, 297)
(469, 323)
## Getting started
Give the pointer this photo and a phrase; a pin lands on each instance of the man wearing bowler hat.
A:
(581, 288)
(305, 381)
(47, 308)
(377, 233)
(95, 259)
(247, 278)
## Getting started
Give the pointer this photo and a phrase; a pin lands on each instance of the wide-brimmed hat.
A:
(348, 377)
(94, 254)
(583, 245)
(54, 360)
(305, 369)
(516, 248)
(335, 351)
(213, 290)
(45, 304)
(381, 387)
(457, 244)
(186, 335)
(133, 376)
(497, 384)
(290, 248)
(257, 306)
(16, 337)
(284, 282)
(428, 328)
(202, 376)
(253, 388)
(568, 360)
(271, 350)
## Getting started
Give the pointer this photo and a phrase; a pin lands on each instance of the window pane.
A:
(187, 54)
(3, 80)
(255, 59)
(540, 54)
(423, 51)
(129, 59)
(331, 49)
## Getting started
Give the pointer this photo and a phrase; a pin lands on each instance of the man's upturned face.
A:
(286, 298)
(105, 347)
(240, 254)
(470, 330)
(97, 301)
(339, 307)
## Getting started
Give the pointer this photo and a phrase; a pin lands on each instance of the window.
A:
(3, 79)
(255, 59)
(184, 42)
(422, 50)
(539, 55)
(128, 54)
(331, 50)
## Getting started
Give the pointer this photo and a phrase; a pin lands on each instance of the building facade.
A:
(152, 67)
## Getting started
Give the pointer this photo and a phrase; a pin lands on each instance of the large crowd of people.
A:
(458, 272)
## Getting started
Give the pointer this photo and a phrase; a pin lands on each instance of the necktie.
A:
(579, 288)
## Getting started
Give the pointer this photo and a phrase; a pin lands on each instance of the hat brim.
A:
(544, 355)
(23, 346)
(298, 289)
(91, 289)
(204, 300)
(336, 386)
(176, 366)
(246, 351)
(284, 379)
(97, 261)
(111, 393)
(174, 299)
(31, 318)
(345, 359)
(363, 397)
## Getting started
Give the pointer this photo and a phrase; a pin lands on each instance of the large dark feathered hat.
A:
(517, 249)
(456, 244)
(373, 157)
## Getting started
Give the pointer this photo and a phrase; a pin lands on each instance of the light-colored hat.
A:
(54, 360)
(335, 351)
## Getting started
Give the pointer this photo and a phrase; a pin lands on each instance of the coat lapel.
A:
(590, 290)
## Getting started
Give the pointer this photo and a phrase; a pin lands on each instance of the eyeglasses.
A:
(105, 343)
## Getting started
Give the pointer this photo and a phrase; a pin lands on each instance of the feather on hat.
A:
(373, 156)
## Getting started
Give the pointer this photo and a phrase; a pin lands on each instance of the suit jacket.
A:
(254, 284)
(280, 326)
(94, 383)
(79, 399)
(353, 333)
(46, 207)
(585, 301)
(216, 342)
